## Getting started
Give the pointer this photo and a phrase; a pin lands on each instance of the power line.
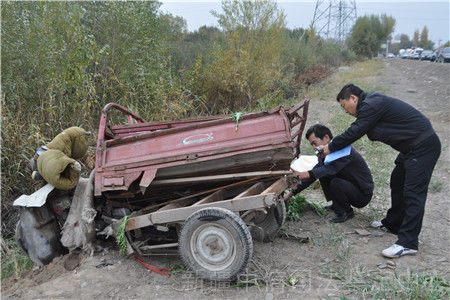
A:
(334, 19)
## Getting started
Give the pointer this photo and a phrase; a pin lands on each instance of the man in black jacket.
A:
(345, 181)
(408, 131)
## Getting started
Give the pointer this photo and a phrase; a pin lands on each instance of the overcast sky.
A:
(409, 15)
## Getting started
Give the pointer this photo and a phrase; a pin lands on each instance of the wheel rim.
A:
(213, 247)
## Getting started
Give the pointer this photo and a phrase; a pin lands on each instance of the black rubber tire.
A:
(215, 244)
(270, 222)
(19, 238)
(38, 234)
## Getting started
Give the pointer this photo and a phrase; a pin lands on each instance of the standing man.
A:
(346, 181)
(408, 131)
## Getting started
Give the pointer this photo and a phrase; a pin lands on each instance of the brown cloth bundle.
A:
(72, 142)
(58, 165)
(58, 169)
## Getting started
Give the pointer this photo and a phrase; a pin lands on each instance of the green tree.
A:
(415, 39)
(363, 39)
(246, 70)
(405, 43)
(424, 42)
(369, 32)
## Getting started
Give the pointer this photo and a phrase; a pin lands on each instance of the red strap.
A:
(152, 268)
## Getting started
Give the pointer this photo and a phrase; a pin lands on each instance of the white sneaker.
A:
(377, 225)
(397, 251)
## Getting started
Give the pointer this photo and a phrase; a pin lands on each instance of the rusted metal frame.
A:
(214, 197)
(197, 194)
(122, 109)
(178, 204)
(213, 178)
(181, 214)
(183, 128)
(303, 124)
(295, 108)
(153, 247)
(132, 171)
(278, 186)
(257, 188)
(162, 125)
(302, 121)
(297, 121)
(265, 199)
(174, 160)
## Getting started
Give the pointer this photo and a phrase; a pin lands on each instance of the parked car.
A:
(406, 53)
(444, 55)
(426, 55)
(391, 55)
(434, 55)
(416, 53)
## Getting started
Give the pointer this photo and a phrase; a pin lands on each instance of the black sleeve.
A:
(321, 170)
(306, 182)
(368, 116)
(303, 185)
(332, 168)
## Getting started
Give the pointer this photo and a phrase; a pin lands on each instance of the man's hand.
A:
(324, 149)
(288, 196)
(301, 175)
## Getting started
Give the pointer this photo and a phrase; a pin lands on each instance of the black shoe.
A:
(343, 217)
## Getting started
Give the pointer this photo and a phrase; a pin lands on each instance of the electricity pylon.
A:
(334, 19)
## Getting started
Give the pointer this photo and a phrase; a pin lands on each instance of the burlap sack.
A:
(79, 228)
(57, 169)
(72, 142)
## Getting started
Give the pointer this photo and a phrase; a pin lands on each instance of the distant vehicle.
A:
(444, 55)
(391, 55)
(426, 55)
(416, 53)
(406, 53)
(433, 56)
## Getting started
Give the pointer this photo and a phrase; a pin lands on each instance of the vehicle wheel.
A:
(19, 238)
(215, 244)
(38, 234)
(270, 222)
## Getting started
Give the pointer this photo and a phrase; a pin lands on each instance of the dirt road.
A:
(336, 257)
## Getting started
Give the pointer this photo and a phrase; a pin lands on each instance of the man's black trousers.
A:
(343, 193)
(409, 186)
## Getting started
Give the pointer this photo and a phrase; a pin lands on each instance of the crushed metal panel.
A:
(37, 199)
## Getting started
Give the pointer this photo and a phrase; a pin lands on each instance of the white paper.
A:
(304, 163)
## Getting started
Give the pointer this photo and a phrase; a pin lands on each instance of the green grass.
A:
(436, 185)
(14, 261)
(120, 236)
(413, 286)
(360, 283)
(297, 205)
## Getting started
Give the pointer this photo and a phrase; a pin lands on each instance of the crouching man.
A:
(345, 178)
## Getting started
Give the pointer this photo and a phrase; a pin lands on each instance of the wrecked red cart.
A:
(202, 188)
(204, 185)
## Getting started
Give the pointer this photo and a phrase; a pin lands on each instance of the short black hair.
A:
(319, 131)
(347, 90)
